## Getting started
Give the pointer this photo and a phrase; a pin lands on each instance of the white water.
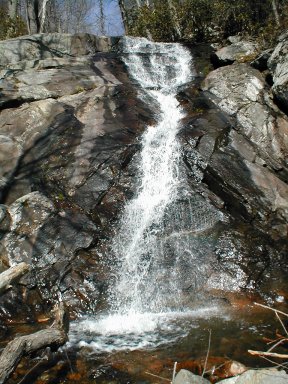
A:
(159, 69)
(145, 296)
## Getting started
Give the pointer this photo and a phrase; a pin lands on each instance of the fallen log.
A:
(53, 337)
(12, 275)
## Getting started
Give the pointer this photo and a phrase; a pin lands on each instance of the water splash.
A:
(138, 331)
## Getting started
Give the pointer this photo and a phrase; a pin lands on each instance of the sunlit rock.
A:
(187, 377)
(278, 64)
(240, 51)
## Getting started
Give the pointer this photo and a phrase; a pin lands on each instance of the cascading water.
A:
(153, 247)
(159, 69)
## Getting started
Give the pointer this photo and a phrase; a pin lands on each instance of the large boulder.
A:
(52, 45)
(240, 91)
(240, 51)
(50, 78)
(252, 165)
(278, 65)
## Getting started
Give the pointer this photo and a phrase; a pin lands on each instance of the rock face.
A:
(69, 128)
(259, 138)
(277, 64)
(23, 50)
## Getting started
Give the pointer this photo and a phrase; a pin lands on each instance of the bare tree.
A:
(102, 17)
(42, 14)
(275, 11)
(32, 14)
(124, 15)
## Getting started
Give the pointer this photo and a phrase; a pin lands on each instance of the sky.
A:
(113, 20)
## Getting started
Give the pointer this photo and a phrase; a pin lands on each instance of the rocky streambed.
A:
(70, 126)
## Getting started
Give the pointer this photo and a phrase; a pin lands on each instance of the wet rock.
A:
(277, 64)
(241, 51)
(27, 216)
(46, 240)
(187, 377)
(263, 376)
(42, 46)
(76, 152)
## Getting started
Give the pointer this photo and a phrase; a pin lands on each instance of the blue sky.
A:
(113, 20)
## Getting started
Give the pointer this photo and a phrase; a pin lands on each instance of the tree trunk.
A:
(12, 8)
(173, 15)
(275, 11)
(12, 275)
(124, 15)
(43, 14)
(102, 18)
(32, 11)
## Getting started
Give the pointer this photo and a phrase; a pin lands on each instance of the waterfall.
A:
(156, 254)
(159, 69)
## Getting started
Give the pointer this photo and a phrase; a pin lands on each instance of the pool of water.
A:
(144, 348)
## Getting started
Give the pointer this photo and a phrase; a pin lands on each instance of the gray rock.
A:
(187, 377)
(240, 92)
(241, 51)
(28, 214)
(234, 39)
(43, 46)
(261, 61)
(46, 239)
(261, 376)
(278, 65)
(43, 81)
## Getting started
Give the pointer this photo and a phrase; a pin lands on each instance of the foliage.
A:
(207, 20)
(9, 27)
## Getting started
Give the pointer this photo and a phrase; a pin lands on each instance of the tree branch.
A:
(53, 337)
(12, 275)
(271, 354)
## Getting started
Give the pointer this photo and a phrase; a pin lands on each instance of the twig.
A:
(32, 369)
(174, 371)
(208, 351)
(271, 354)
(274, 362)
(213, 369)
(275, 345)
(159, 377)
(281, 322)
(273, 341)
(272, 309)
